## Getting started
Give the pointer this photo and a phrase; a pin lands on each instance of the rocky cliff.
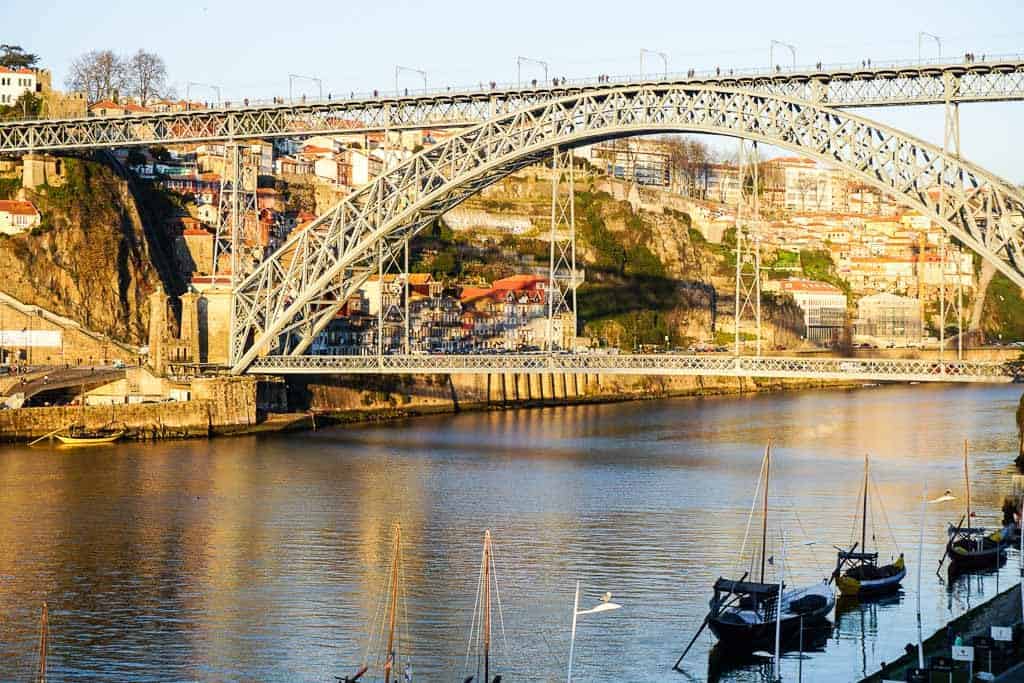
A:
(102, 247)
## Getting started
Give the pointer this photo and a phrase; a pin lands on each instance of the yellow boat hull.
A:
(89, 441)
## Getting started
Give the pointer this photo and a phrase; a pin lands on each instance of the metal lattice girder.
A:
(721, 365)
(748, 246)
(861, 87)
(290, 297)
(238, 214)
(562, 279)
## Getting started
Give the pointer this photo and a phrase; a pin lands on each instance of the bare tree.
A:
(99, 74)
(147, 76)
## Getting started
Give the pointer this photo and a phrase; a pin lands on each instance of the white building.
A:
(16, 217)
(15, 82)
(824, 308)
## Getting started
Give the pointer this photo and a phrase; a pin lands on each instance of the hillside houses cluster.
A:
(510, 314)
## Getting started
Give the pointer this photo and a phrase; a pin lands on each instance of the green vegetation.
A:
(9, 187)
(1003, 312)
(817, 265)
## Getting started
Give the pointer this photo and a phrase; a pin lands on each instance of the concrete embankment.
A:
(353, 399)
(1002, 610)
(220, 405)
(246, 405)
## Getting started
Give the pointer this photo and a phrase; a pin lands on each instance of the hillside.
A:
(649, 274)
(102, 247)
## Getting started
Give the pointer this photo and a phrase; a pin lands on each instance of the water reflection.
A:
(263, 558)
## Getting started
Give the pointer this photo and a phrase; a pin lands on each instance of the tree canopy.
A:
(14, 57)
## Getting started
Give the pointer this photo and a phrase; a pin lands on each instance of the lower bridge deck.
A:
(720, 365)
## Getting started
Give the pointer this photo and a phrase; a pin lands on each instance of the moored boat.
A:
(974, 547)
(745, 615)
(857, 573)
(83, 437)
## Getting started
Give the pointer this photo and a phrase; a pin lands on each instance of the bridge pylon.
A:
(238, 214)
(748, 246)
(562, 276)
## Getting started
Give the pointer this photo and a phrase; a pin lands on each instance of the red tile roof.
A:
(17, 208)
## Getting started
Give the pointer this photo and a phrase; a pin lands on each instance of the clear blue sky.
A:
(249, 47)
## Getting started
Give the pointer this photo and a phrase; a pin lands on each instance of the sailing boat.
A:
(746, 614)
(78, 435)
(480, 631)
(390, 656)
(972, 547)
(857, 573)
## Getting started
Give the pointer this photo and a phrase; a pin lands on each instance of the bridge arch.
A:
(290, 297)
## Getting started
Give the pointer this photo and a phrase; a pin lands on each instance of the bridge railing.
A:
(483, 88)
(881, 369)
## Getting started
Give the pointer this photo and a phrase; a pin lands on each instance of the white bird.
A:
(606, 597)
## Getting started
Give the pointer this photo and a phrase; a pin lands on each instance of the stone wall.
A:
(78, 346)
(369, 395)
(142, 421)
(218, 405)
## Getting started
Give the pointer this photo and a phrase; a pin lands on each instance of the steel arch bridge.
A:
(288, 300)
(839, 86)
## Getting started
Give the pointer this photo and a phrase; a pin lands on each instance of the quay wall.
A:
(219, 405)
(351, 398)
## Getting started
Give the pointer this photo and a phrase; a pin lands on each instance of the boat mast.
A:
(864, 510)
(487, 606)
(967, 483)
(389, 658)
(764, 507)
(44, 632)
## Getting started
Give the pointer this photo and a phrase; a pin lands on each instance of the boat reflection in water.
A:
(859, 621)
(723, 660)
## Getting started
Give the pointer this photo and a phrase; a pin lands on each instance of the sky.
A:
(249, 47)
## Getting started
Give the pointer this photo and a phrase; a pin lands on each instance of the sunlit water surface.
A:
(264, 558)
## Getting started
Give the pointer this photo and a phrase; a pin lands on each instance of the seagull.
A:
(606, 597)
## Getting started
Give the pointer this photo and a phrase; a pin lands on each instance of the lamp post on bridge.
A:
(294, 77)
(421, 72)
(924, 34)
(529, 60)
(188, 91)
(664, 61)
(771, 52)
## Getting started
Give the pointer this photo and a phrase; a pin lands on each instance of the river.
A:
(263, 558)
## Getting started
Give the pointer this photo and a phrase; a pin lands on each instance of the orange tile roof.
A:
(18, 208)
(22, 70)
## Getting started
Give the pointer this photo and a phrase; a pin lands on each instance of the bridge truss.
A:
(290, 298)
(840, 87)
(718, 365)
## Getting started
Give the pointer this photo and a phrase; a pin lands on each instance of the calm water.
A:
(263, 558)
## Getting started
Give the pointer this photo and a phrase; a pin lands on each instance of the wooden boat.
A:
(480, 630)
(746, 614)
(391, 657)
(858, 573)
(970, 547)
(83, 437)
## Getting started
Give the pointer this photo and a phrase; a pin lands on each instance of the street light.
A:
(293, 77)
(606, 605)
(423, 75)
(188, 91)
(771, 51)
(664, 61)
(944, 498)
(924, 34)
(528, 60)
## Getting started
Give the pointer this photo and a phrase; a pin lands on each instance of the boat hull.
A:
(987, 558)
(864, 588)
(88, 441)
(736, 634)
